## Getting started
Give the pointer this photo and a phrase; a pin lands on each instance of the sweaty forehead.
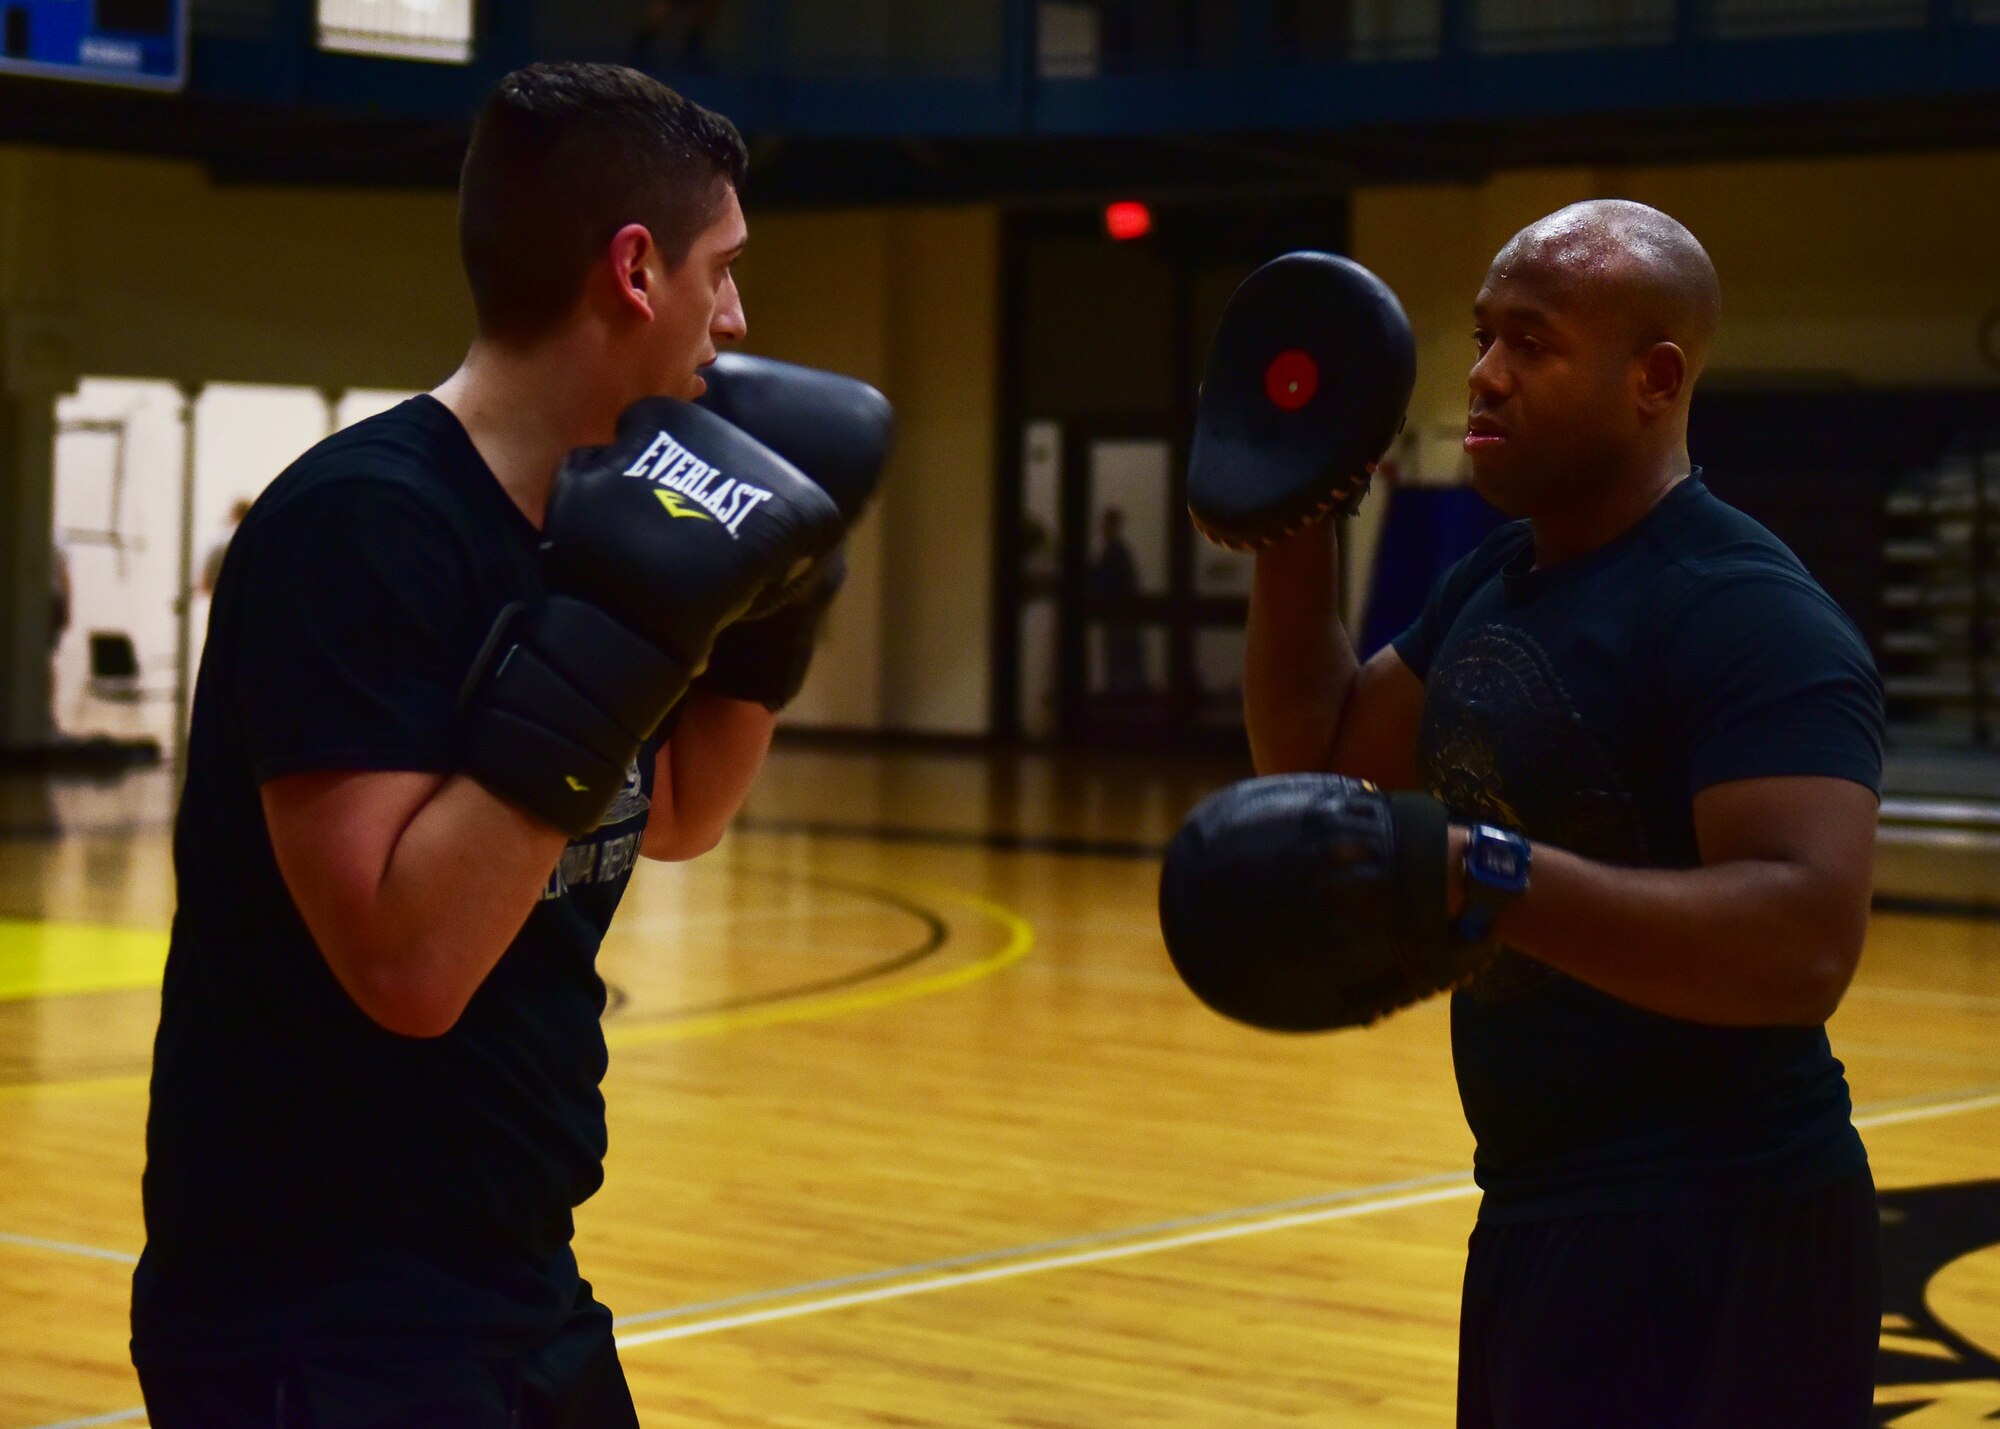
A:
(1575, 284)
(1574, 241)
(1617, 260)
(1522, 294)
(1562, 265)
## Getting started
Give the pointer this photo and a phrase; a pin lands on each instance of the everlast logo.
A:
(672, 466)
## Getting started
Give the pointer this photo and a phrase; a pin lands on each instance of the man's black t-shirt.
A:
(1586, 705)
(314, 1182)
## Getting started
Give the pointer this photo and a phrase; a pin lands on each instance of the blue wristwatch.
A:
(1496, 873)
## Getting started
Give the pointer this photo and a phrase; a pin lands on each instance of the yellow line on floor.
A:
(57, 959)
(1020, 940)
(110, 957)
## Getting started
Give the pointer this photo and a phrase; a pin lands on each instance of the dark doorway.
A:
(1115, 625)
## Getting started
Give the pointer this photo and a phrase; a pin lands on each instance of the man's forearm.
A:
(1299, 665)
(437, 877)
(465, 876)
(468, 868)
(1743, 943)
(704, 773)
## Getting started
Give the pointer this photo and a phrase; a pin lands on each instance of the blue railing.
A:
(918, 68)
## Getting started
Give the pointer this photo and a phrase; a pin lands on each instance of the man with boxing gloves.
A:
(467, 661)
(1632, 754)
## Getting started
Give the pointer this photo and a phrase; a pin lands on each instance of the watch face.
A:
(1497, 858)
(1501, 862)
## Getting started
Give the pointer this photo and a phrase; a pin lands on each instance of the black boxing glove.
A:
(765, 661)
(1306, 902)
(682, 525)
(835, 429)
(652, 545)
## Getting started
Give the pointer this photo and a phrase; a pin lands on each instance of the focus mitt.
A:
(1308, 381)
(1306, 902)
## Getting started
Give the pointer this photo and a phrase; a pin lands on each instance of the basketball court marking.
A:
(115, 959)
(1019, 942)
(867, 999)
(1054, 1262)
(1925, 1108)
(996, 840)
(68, 1247)
(988, 1257)
(58, 959)
(937, 934)
(1131, 1240)
(119, 1416)
(1168, 1235)
(1171, 1235)
(1928, 997)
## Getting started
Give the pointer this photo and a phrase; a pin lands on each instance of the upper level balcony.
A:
(887, 91)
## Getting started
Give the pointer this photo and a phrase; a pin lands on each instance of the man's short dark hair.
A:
(562, 157)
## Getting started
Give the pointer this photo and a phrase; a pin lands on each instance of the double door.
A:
(1130, 630)
(1115, 624)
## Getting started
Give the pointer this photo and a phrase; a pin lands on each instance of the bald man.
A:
(1679, 1226)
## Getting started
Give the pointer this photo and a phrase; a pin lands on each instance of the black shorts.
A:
(1763, 1315)
(573, 1382)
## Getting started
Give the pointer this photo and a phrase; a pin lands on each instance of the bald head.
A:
(1628, 262)
(1592, 326)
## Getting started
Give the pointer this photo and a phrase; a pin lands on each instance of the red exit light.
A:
(1127, 220)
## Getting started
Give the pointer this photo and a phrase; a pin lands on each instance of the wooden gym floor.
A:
(912, 1125)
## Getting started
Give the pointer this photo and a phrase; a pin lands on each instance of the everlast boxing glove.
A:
(652, 545)
(1308, 381)
(1306, 902)
(765, 661)
(837, 431)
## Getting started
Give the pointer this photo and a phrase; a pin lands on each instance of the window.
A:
(439, 30)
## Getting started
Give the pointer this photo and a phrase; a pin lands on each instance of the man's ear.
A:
(631, 253)
(1663, 373)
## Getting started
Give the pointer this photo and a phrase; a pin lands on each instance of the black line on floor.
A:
(936, 935)
(1921, 907)
(959, 838)
(1907, 904)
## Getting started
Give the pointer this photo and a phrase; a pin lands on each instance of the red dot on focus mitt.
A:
(1291, 379)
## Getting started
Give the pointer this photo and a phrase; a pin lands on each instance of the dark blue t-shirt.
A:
(1586, 705)
(312, 1180)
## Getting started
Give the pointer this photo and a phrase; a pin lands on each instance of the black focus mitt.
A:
(1308, 381)
(1306, 902)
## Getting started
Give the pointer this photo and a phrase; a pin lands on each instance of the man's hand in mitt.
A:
(1307, 382)
(1306, 902)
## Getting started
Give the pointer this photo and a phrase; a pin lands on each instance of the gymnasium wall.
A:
(909, 300)
(133, 267)
(116, 266)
